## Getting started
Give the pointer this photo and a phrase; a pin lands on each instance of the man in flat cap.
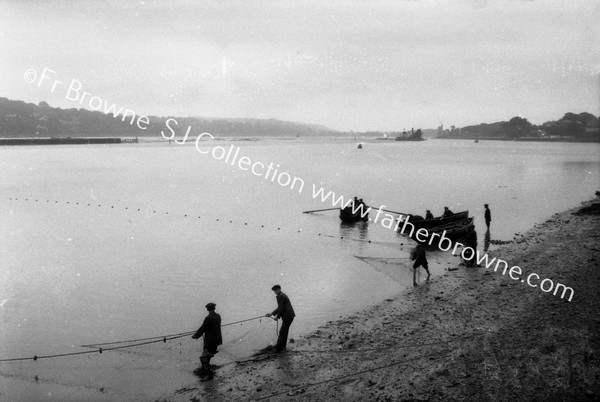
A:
(211, 329)
(285, 311)
(488, 215)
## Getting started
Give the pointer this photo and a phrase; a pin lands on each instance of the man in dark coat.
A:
(420, 259)
(488, 215)
(285, 311)
(211, 329)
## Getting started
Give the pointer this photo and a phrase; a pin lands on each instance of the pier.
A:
(67, 140)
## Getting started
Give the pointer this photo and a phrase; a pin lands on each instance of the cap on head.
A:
(211, 306)
(276, 287)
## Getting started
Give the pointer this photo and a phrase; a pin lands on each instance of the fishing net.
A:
(138, 369)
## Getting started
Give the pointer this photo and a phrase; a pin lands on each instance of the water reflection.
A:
(470, 240)
(350, 232)
(486, 240)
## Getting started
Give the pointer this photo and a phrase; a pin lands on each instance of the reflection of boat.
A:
(347, 216)
(413, 136)
(430, 223)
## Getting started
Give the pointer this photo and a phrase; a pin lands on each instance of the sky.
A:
(361, 65)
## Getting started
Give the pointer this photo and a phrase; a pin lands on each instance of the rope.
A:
(162, 337)
(314, 384)
(464, 337)
(384, 260)
(217, 219)
(376, 368)
(130, 343)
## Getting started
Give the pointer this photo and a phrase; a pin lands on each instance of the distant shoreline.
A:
(66, 140)
(118, 139)
(526, 139)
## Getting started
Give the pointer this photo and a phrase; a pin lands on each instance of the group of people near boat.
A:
(211, 327)
(447, 213)
(357, 205)
(418, 254)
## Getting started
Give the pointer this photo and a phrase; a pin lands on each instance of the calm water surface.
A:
(103, 243)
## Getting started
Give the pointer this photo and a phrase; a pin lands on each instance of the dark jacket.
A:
(284, 308)
(211, 329)
(488, 215)
(418, 256)
(447, 213)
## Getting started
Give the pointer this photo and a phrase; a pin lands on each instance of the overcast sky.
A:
(347, 64)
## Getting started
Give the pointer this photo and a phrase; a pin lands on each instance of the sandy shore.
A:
(469, 335)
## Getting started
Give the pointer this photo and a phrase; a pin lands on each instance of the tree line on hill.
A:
(571, 125)
(20, 119)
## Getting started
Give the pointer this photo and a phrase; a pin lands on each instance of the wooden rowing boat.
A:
(439, 221)
(453, 230)
(347, 216)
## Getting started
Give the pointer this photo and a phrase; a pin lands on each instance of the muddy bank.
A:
(470, 334)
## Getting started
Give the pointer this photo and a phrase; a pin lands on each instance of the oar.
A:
(320, 210)
(394, 212)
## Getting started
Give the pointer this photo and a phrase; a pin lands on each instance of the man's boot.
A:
(209, 375)
(200, 372)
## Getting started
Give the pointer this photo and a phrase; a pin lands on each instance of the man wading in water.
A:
(211, 329)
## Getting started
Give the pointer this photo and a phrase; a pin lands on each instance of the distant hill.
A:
(583, 126)
(20, 119)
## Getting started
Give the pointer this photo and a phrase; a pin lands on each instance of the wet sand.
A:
(470, 334)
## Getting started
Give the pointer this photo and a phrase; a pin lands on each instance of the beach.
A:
(471, 334)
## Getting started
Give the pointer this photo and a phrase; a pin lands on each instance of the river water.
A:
(106, 243)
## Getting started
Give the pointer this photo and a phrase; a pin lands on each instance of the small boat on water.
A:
(419, 222)
(347, 216)
(359, 146)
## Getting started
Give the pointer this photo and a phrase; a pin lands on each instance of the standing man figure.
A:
(285, 311)
(488, 216)
(211, 329)
(418, 256)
